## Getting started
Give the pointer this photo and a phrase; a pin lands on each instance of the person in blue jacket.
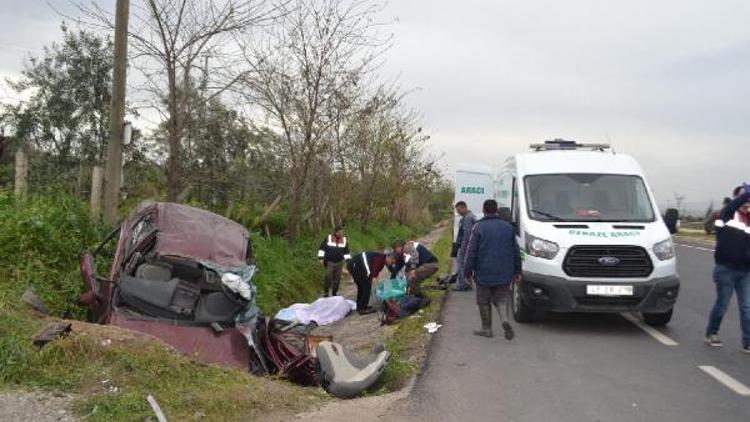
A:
(732, 269)
(493, 261)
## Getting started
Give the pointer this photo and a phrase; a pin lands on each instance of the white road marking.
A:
(700, 248)
(661, 338)
(727, 380)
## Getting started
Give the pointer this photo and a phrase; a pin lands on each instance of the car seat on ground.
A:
(344, 374)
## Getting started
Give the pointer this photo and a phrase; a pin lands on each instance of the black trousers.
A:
(363, 282)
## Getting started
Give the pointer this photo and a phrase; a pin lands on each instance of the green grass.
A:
(696, 234)
(409, 336)
(114, 380)
(40, 240)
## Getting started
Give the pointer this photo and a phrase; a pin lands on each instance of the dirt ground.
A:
(35, 406)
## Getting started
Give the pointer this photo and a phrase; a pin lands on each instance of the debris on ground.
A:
(51, 333)
(31, 299)
(432, 327)
(156, 408)
(344, 374)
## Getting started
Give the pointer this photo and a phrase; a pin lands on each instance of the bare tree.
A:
(300, 76)
(169, 38)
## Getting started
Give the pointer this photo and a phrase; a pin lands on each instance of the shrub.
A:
(40, 241)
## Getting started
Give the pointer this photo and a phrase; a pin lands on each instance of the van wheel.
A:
(521, 311)
(658, 319)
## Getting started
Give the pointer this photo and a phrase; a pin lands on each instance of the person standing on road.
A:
(493, 260)
(333, 252)
(365, 269)
(732, 269)
(468, 219)
(418, 262)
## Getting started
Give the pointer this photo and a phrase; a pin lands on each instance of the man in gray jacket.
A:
(468, 219)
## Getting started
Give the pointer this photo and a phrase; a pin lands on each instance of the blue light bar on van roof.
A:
(562, 144)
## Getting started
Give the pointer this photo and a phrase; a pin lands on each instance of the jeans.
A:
(460, 277)
(727, 282)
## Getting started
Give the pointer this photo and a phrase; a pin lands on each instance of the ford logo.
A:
(609, 261)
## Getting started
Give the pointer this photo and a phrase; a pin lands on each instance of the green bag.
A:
(394, 288)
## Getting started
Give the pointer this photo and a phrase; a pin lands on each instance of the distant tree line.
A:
(259, 104)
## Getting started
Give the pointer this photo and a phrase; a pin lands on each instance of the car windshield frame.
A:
(550, 217)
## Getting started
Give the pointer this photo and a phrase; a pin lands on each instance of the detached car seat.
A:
(344, 374)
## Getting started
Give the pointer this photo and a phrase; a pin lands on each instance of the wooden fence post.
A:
(22, 174)
(97, 179)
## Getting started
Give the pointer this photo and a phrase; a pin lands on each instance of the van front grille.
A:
(608, 262)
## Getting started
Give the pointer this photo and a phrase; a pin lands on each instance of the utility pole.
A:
(117, 115)
(22, 174)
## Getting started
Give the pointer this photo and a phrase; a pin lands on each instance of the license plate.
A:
(598, 290)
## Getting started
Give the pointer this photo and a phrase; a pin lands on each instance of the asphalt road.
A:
(587, 367)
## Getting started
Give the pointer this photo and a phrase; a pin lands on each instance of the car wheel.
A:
(521, 311)
(658, 319)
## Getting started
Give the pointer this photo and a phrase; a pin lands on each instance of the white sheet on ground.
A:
(323, 311)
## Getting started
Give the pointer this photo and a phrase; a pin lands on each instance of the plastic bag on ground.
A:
(394, 288)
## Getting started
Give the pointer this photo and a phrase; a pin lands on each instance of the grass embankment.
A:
(40, 240)
(696, 234)
(290, 273)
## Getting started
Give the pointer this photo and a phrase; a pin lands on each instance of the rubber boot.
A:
(507, 328)
(485, 313)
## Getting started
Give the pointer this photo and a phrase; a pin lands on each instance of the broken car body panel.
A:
(165, 280)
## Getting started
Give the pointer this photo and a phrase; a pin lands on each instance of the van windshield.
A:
(588, 197)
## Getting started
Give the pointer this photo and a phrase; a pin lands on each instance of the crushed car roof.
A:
(198, 234)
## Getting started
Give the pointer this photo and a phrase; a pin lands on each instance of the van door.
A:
(515, 208)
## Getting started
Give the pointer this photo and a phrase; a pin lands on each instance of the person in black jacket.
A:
(418, 263)
(732, 269)
(365, 269)
(493, 260)
(333, 252)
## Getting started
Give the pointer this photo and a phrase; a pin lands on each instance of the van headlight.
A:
(664, 250)
(541, 248)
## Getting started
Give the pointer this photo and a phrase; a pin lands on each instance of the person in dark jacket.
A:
(418, 262)
(732, 269)
(365, 269)
(493, 260)
(333, 252)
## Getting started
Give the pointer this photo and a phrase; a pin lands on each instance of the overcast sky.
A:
(666, 81)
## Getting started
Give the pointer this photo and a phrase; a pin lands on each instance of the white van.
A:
(592, 239)
(474, 184)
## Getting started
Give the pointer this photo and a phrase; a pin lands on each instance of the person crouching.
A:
(365, 269)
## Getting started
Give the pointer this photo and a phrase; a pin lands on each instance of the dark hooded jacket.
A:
(492, 256)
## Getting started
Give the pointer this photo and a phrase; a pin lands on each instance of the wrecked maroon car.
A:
(183, 275)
